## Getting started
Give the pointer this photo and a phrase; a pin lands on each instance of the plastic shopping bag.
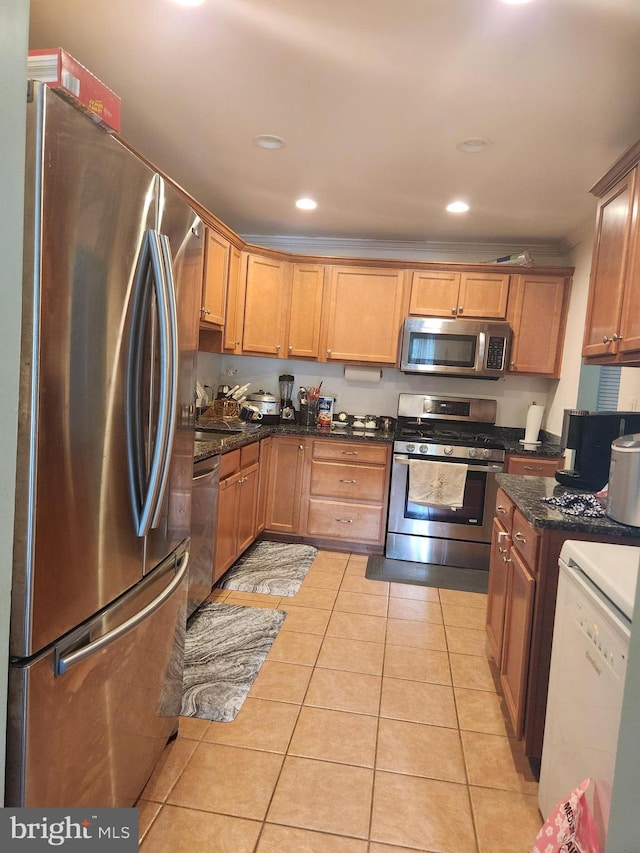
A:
(570, 828)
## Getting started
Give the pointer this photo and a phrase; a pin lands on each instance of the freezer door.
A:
(181, 236)
(89, 719)
(89, 202)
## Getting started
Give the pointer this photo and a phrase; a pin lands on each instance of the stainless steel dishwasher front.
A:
(204, 510)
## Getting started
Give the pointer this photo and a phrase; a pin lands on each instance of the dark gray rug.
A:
(274, 568)
(225, 647)
(426, 574)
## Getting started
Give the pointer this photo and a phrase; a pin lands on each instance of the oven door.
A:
(413, 529)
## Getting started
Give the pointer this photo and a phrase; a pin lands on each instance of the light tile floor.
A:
(374, 726)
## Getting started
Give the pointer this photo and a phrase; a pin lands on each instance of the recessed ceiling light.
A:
(474, 144)
(267, 140)
(189, 2)
(306, 204)
(458, 207)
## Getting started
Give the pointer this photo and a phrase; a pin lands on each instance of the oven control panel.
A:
(448, 451)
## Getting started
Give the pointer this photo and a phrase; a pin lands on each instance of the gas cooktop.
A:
(461, 437)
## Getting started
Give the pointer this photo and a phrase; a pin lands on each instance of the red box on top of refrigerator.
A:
(57, 68)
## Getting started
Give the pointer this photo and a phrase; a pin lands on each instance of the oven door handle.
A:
(490, 467)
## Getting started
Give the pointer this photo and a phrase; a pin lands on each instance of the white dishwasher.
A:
(594, 610)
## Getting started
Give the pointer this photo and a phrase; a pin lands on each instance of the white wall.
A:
(14, 23)
(565, 394)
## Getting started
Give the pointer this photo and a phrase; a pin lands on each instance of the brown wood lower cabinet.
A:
(237, 505)
(533, 466)
(328, 490)
(521, 602)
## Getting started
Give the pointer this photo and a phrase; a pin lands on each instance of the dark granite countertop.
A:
(527, 494)
(217, 444)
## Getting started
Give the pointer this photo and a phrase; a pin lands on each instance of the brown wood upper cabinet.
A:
(537, 314)
(232, 332)
(305, 310)
(459, 294)
(364, 314)
(216, 272)
(612, 329)
(265, 300)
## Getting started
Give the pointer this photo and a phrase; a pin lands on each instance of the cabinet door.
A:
(365, 314)
(216, 271)
(614, 221)
(434, 293)
(517, 639)
(630, 321)
(533, 466)
(286, 471)
(227, 527)
(247, 507)
(537, 314)
(265, 298)
(263, 483)
(497, 589)
(232, 334)
(305, 310)
(483, 295)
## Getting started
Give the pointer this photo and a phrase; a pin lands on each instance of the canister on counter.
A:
(325, 411)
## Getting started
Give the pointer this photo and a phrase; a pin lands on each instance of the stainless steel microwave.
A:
(474, 348)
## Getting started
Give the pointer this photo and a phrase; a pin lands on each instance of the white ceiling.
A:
(371, 97)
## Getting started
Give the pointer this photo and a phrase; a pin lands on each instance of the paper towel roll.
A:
(362, 374)
(534, 422)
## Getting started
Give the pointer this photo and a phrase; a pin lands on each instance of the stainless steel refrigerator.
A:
(112, 272)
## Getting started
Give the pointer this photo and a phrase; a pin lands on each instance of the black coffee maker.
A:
(589, 435)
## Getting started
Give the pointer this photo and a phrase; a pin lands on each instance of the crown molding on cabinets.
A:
(407, 250)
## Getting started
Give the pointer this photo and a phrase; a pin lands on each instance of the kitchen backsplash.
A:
(514, 394)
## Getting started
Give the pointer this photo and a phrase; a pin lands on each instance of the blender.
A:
(287, 411)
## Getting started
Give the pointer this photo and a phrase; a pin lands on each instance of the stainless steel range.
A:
(450, 430)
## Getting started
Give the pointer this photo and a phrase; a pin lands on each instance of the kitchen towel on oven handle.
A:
(437, 483)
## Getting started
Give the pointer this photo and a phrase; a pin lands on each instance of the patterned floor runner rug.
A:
(274, 568)
(225, 647)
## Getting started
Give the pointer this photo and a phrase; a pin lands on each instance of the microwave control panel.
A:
(495, 352)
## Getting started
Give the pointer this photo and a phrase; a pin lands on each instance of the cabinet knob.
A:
(301, 447)
(606, 340)
(277, 347)
(460, 309)
(501, 509)
(616, 337)
(204, 310)
(290, 348)
(237, 343)
(519, 538)
(329, 353)
(453, 311)
(512, 364)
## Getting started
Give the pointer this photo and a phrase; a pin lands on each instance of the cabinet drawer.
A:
(350, 451)
(356, 482)
(525, 539)
(532, 466)
(350, 521)
(249, 454)
(229, 462)
(504, 509)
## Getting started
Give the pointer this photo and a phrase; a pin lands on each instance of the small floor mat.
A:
(225, 647)
(426, 574)
(273, 568)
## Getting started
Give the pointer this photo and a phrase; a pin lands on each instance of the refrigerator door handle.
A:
(63, 662)
(147, 488)
(170, 373)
